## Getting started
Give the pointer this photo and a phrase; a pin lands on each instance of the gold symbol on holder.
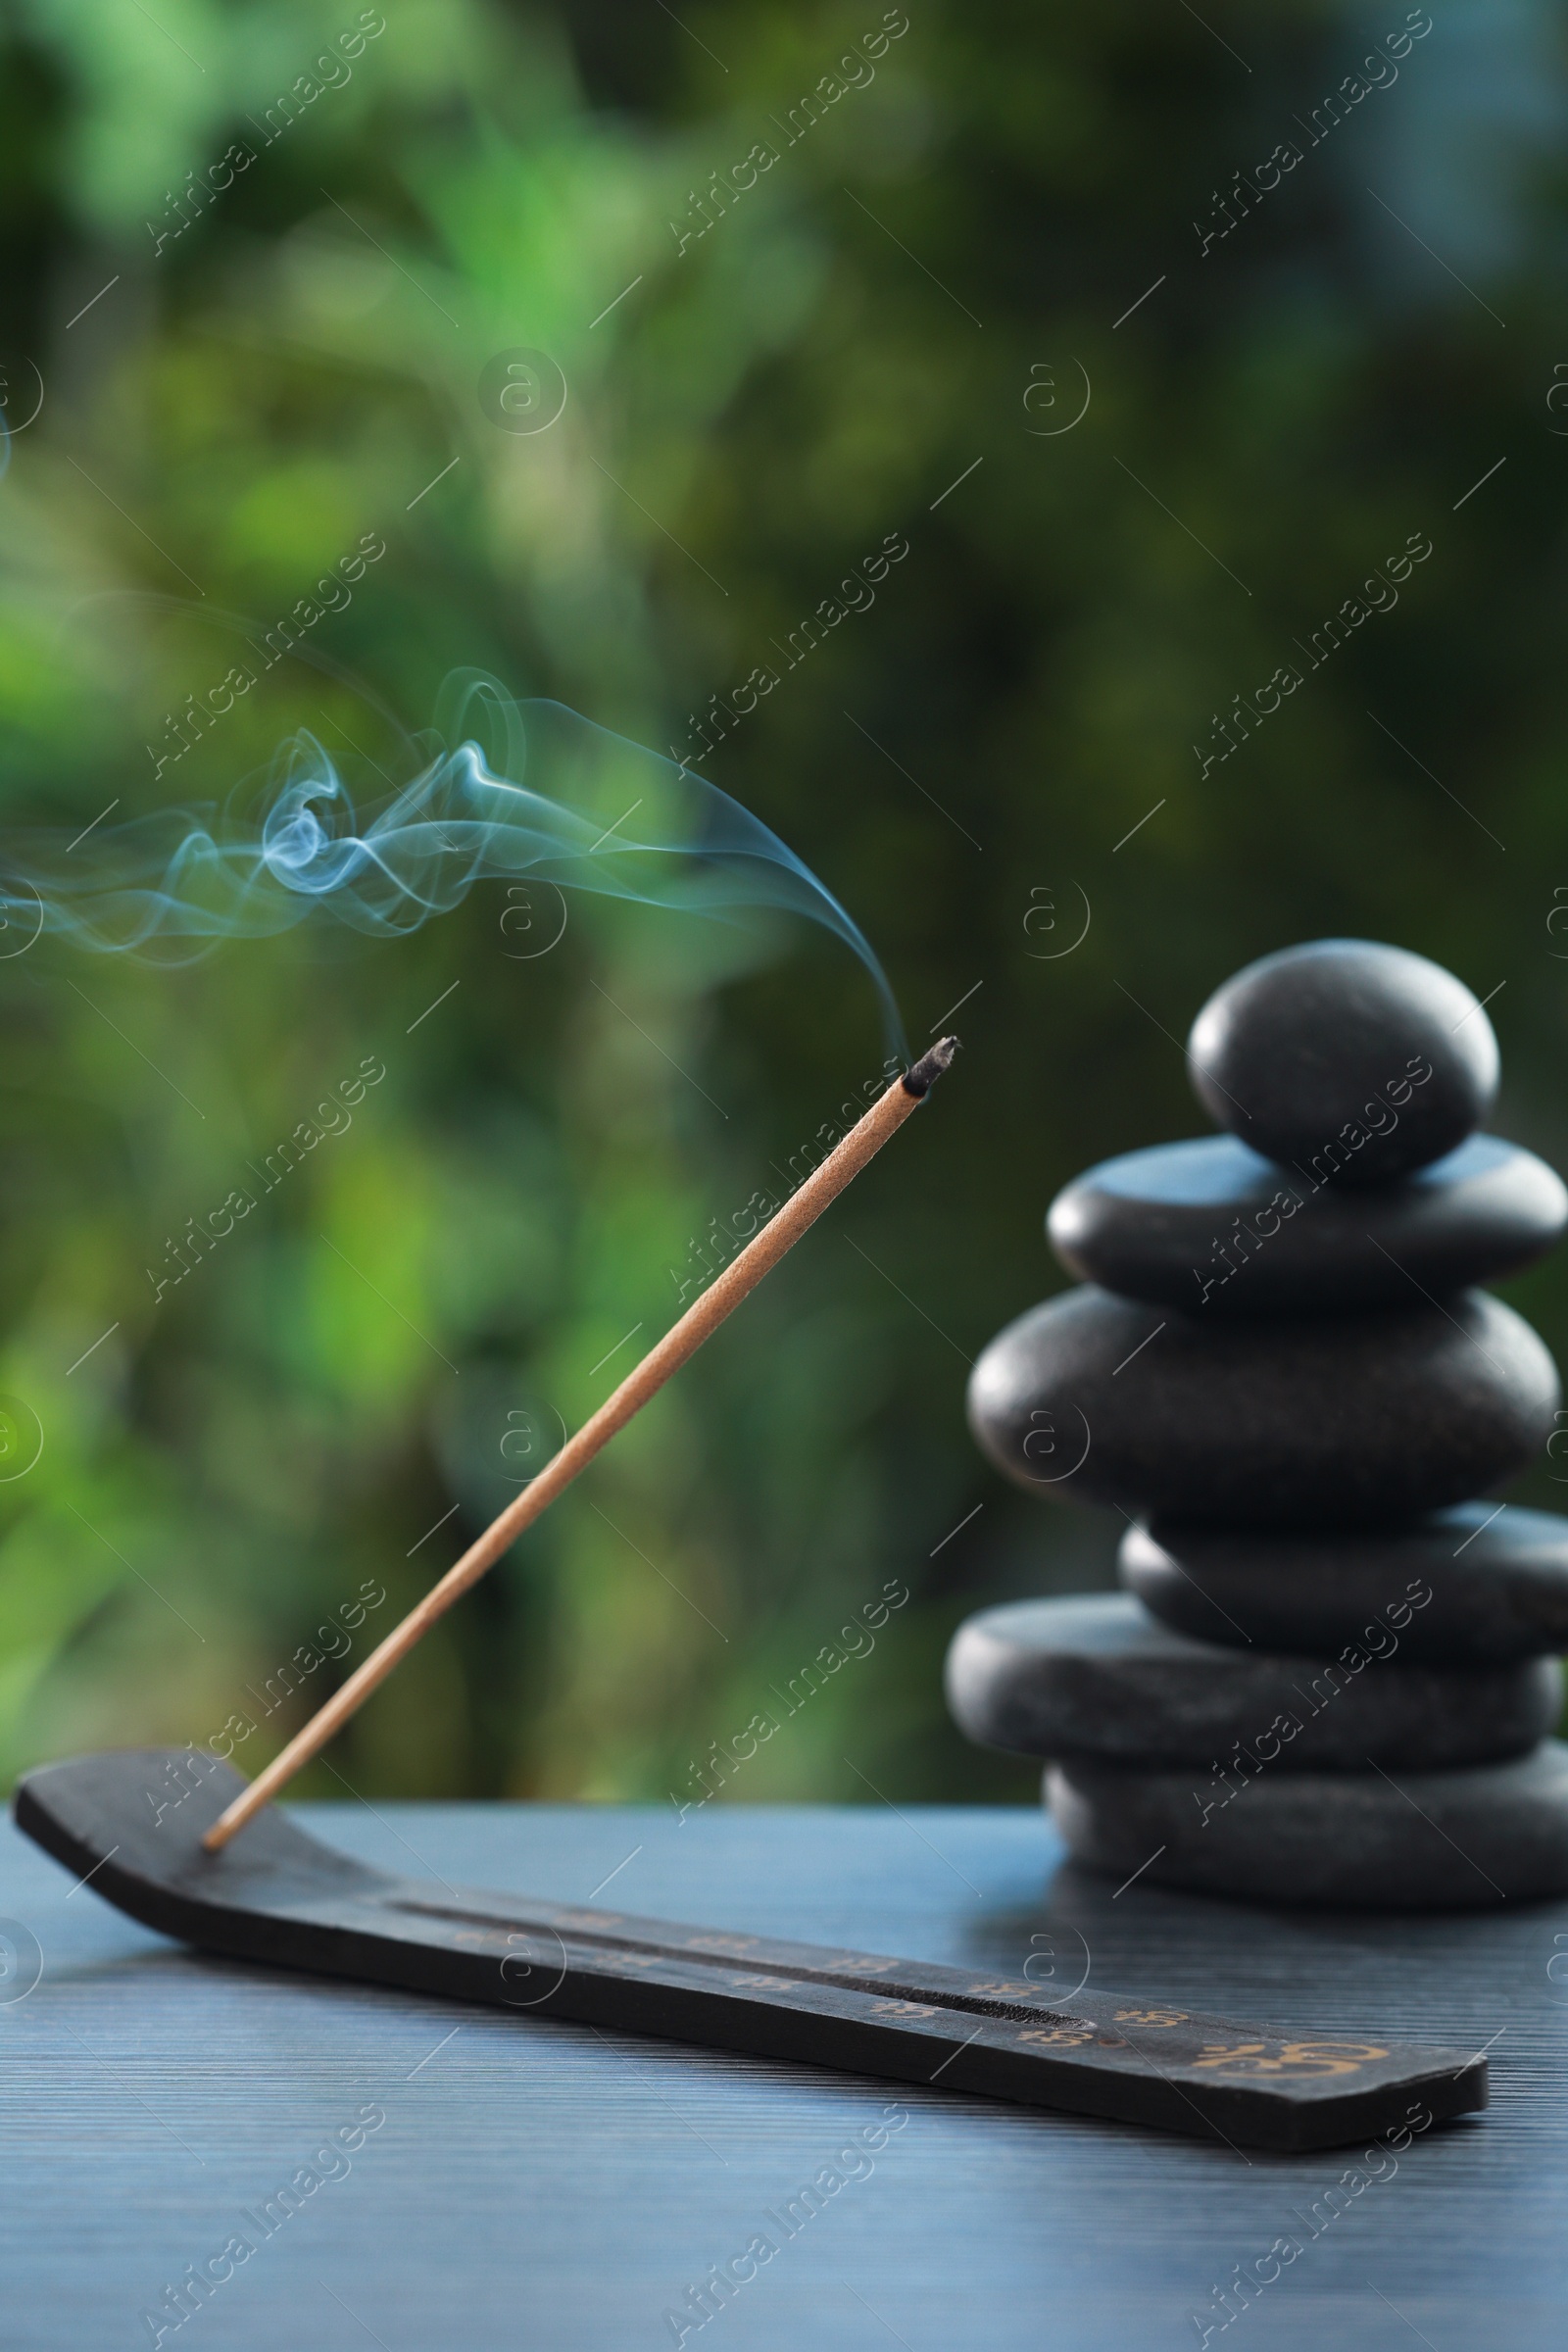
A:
(1288, 2057)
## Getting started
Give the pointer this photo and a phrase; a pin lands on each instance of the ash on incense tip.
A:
(921, 1076)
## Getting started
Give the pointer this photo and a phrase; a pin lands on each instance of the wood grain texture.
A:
(546, 2185)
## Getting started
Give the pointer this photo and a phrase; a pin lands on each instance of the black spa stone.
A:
(1346, 1058)
(1468, 1586)
(1213, 1227)
(1309, 1421)
(1097, 1677)
(1407, 1841)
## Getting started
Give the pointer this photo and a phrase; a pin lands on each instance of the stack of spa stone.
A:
(1332, 1680)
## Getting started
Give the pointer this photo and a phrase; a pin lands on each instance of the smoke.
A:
(507, 789)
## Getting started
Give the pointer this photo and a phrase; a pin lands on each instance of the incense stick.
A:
(681, 1342)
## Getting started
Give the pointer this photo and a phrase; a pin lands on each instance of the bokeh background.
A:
(975, 228)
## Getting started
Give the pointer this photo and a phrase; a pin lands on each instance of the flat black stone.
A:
(1095, 1676)
(1357, 1060)
(133, 1823)
(1213, 1227)
(1421, 1842)
(1311, 1422)
(1468, 1585)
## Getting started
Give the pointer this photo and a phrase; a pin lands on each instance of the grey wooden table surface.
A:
(538, 2184)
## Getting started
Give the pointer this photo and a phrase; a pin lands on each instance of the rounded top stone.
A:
(1352, 1060)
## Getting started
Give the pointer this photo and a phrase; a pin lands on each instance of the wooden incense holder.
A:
(133, 1821)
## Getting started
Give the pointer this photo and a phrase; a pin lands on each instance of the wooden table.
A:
(545, 2188)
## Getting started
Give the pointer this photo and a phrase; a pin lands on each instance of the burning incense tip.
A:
(900, 1102)
(922, 1075)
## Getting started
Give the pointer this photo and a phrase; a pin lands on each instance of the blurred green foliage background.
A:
(890, 329)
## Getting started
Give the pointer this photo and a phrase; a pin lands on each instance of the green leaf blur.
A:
(886, 330)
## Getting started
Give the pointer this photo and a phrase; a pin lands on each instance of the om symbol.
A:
(1302, 2058)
